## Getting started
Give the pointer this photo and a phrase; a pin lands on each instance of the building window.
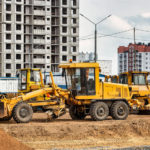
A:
(8, 17)
(74, 20)
(8, 7)
(64, 48)
(18, 0)
(74, 11)
(74, 30)
(18, 46)
(64, 2)
(48, 38)
(64, 58)
(8, 27)
(8, 36)
(64, 11)
(74, 2)
(18, 8)
(74, 39)
(8, 56)
(74, 58)
(64, 39)
(18, 27)
(8, 66)
(48, 28)
(64, 20)
(18, 37)
(74, 48)
(64, 29)
(48, 57)
(18, 66)
(8, 74)
(48, 66)
(18, 17)
(18, 56)
(48, 19)
(8, 46)
(48, 9)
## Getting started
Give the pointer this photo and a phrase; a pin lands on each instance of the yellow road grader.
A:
(85, 95)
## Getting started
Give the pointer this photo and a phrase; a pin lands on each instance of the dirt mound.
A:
(66, 133)
(10, 143)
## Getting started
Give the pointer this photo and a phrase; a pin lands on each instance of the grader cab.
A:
(29, 80)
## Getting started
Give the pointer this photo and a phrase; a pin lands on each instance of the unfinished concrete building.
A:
(38, 34)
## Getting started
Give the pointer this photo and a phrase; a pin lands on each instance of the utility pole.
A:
(134, 49)
(134, 34)
(95, 38)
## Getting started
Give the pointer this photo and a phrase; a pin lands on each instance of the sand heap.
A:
(10, 143)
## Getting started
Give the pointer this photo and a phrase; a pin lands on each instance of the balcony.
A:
(39, 61)
(39, 31)
(39, 12)
(55, 3)
(55, 32)
(39, 41)
(55, 42)
(39, 2)
(39, 51)
(39, 22)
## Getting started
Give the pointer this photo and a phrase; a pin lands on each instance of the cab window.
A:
(139, 79)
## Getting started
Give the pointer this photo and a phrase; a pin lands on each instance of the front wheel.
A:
(119, 110)
(99, 111)
(75, 113)
(22, 112)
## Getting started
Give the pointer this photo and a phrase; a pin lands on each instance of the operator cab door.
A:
(87, 81)
(22, 75)
(81, 81)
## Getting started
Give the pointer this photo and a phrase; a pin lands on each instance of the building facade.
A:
(105, 65)
(135, 57)
(38, 34)
(83, 57)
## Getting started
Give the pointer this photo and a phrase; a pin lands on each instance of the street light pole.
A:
(95, 37)
(95, 58)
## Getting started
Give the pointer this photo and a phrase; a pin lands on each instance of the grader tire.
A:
(119, 110)
(76, 115)
(99, 111)
(22, 112)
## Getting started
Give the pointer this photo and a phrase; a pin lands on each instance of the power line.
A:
(143, 30)
(116, 33)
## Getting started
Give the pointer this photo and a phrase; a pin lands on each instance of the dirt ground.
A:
(66, 133)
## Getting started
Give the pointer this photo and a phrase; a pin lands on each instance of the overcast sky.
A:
(126, 14)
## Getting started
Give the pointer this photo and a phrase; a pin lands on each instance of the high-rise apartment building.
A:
(38, 34)
(135, 57)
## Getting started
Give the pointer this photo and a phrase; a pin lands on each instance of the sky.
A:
(125, 15)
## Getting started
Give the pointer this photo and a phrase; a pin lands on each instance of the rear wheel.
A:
(76, 114)
(22, 112)
(99, 111)
(119, 110)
